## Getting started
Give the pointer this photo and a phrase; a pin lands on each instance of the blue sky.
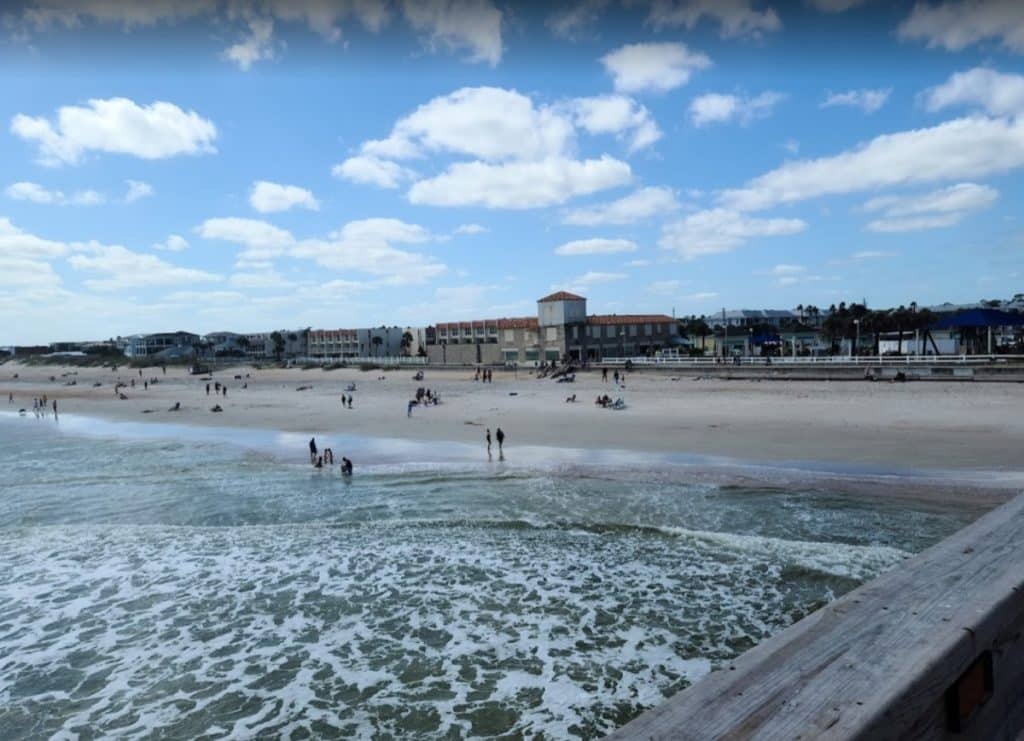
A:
(193, 164)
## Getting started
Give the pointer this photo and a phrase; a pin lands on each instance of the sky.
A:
(245, 165)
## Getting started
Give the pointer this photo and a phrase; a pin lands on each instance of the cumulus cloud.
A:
(938, 209)
(954, 150)
(721, 108)
(369, 170)
(620, 115)
(641, 204)
(520, 185)
(267, 197)
(867, 100)
(657, 66)
(996, 93)
(173, 243)
(123, 268)
(956, 24)
(118, 126)
(471, 25)
(42, 14)
(734, 17)
(367, 246)
(471, 229)
(721, 230)
(596, 246)
(262, 241)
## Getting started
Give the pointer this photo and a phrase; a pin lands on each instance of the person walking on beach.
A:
(312, 449)
(207, 389)
(604, 374)
(501, 439)
(346, 467)
(488, 438)
(10, 398)
(55, 408)
(408, 411)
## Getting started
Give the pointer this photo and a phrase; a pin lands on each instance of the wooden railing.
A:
(933, 649)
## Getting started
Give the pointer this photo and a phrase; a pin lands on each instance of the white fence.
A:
(382, 360)
(829, 360)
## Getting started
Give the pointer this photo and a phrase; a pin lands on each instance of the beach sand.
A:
(969, 428)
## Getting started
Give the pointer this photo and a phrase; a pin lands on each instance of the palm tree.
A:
(377, 340)
(407, 341)
(278, 339)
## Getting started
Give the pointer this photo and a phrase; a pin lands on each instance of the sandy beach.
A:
(936, 426)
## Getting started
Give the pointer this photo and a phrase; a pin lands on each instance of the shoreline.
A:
(952, 434)
(977, 490)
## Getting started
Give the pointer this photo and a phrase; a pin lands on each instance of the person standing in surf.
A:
(501, 439)
(487, 437)
(312, 449)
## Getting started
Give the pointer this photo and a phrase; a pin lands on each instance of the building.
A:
(377, 342)
(225, 344)
(754, 318)
(562, 330)
(294, 343)
(162, 345)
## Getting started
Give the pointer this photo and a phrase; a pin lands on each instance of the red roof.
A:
(561, 296)
(526, 322)
(629, 319)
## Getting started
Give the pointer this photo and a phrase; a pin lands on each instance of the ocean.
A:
(183, 583)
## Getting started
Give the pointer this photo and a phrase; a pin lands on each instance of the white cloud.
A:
(126, 269)
(641, 204)
(324, 16)
(571, 21)
(17, 243)
(485, 122)
(257, 46)
(471, 229)
(780, 270)
(721, 108)
(367, 246)
(735, 17)
(137, 190)
(867, 100)
(173, 243)
(473, 25)
(701, 296)
(120, 126)
(369, 170)
(657, 66)
(617, 114)
(638, 263)
(35, 193)
(520, 185)
(25, 191)
(956, 25)
(981, 87)
(596, 246)
(588, 280)
(791, 145)
(958, 149)
(940, 208)
(721, 230)
(262, 241)
(267, 197)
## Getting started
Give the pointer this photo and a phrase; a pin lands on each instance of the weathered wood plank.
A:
(876, 663)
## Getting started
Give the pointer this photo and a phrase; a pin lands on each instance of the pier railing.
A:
(933, 649)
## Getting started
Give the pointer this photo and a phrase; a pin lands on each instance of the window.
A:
(575, 333)
(511, 355)
(510, 336)
(632, 330)
(551, 355)
(552, 334)
(647, 330)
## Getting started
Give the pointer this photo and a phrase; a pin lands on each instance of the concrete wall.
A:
(487, 353)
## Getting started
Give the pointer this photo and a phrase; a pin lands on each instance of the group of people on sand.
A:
(616, 376)
(39, 404)
(346, 401)
(424, 397)
(327, 458)
(484, 375)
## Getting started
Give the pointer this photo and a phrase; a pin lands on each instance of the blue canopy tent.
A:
(978, 319)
